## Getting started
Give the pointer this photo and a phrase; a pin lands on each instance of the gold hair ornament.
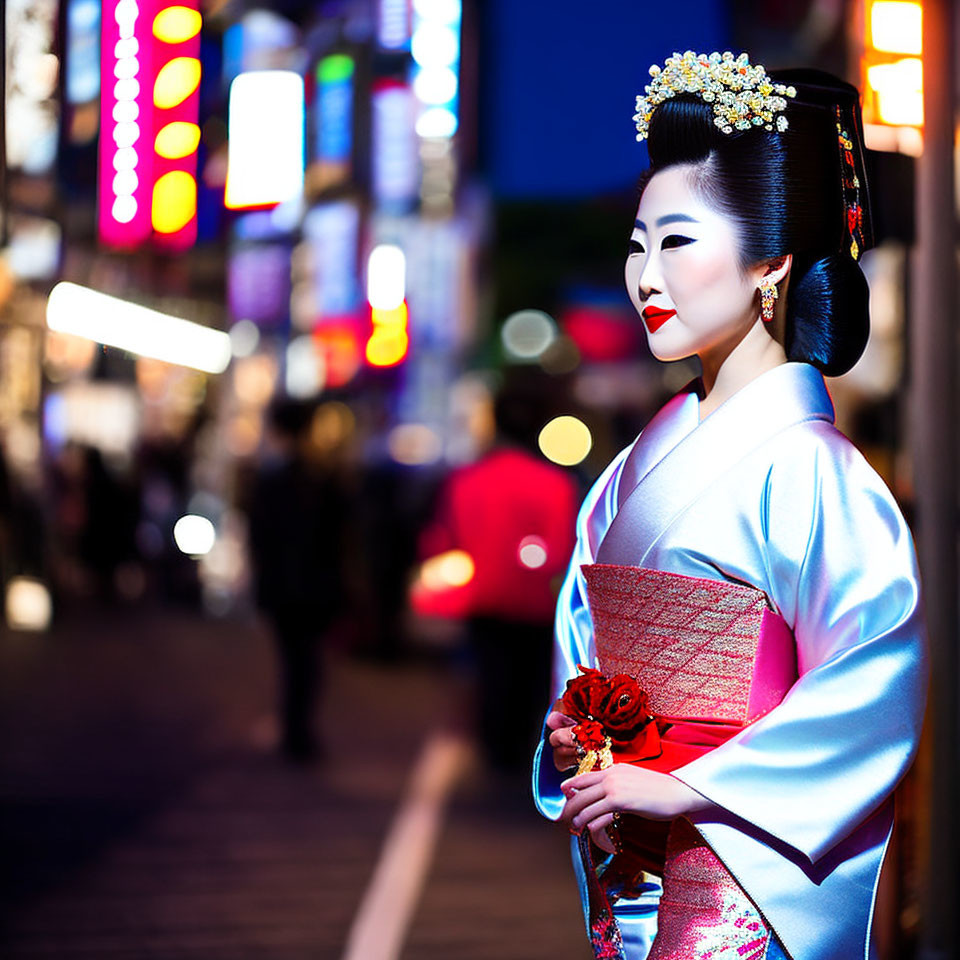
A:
(741, 93)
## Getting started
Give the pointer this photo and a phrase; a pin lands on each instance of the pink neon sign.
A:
(126, 122)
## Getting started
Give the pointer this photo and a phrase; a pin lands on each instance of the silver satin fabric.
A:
(803, 797)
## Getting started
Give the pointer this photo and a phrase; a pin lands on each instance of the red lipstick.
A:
(655, 318)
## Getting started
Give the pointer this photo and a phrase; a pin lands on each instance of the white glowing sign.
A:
(395, 164)
(97, 316)
(435, 47)
(266, 136)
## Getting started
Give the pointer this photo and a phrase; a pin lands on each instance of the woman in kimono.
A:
(744, 253)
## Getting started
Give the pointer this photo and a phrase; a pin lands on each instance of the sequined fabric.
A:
(689, 642)
(704, 915)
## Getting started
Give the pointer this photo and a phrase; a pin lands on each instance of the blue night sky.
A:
(559, 81)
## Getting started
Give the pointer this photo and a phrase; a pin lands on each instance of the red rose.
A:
(626, 708)
(584, 695)
(615, 708)
(590, 735)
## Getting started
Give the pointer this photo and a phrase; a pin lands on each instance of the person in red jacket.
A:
(513, 514)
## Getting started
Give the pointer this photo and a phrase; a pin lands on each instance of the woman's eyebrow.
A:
(667, 218)
(676, 218)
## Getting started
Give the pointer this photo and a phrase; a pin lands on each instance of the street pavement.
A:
(145, 814)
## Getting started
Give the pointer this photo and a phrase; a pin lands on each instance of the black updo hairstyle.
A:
(784, 192)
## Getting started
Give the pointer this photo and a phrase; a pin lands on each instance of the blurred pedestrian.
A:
(295, 531)
(513, 514)
(111, 505)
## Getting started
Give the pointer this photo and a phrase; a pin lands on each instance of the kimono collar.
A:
(782, 395)
(788, 392)
(677, 457)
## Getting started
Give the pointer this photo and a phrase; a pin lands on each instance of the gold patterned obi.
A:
(709, 654)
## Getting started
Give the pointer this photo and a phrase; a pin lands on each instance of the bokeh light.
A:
(440, 11)
(305, 374)
(28, 604)
(174, 201)
(175, 81)
(176, 24)
(454, 568)
(532, 552)
(565, 440)
(265, 139)
(414, 444)
(896, 26)
(254, 378)
(437, 122)
(435, 45)
(177, 139)
(526, 334)
(194, 535)
(79, 310)
(387, 347)
(435, 85)
(386, 277)
(899, 88)
(244, 338)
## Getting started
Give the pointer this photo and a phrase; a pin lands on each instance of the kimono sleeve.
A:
(573, 628)
(843, 571)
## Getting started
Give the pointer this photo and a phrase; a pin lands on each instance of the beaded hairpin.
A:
(741, 93)
(851, 190)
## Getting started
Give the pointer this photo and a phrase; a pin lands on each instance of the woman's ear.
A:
(778, 268)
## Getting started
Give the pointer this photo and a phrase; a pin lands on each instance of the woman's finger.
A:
(562, 738)
(557, 720)
(584, 780)
(599, 808)
(580, 800)
(598, 832)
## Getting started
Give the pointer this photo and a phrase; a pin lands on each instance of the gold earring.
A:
(768, 298)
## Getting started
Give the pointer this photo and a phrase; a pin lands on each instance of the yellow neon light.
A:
(396, 317)
(176, 24)
(176, 81)
(896, 26)
(174, 201)
(387, 347)
(899, 90)
(176, 140)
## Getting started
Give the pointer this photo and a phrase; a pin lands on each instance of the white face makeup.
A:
(682, 271)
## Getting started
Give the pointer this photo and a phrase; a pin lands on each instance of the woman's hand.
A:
(561, 739)
(593, 798)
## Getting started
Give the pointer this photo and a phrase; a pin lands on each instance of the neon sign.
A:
(436, 53)
(149, 99)
(265, 144)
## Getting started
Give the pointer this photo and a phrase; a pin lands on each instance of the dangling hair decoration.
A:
(857, 233)
(841, 103)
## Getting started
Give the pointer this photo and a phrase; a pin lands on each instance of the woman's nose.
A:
(650, 281)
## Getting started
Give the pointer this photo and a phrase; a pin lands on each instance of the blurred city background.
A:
(312, 336)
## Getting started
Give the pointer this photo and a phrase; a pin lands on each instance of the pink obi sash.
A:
(713, 657)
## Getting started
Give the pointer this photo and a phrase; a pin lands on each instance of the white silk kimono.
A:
(766, 491)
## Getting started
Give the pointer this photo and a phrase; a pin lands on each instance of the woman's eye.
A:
(635, 247)
(675, 240)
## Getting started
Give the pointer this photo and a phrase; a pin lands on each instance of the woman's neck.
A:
(729, 367)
